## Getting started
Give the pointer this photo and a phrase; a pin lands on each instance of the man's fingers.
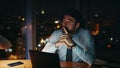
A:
(64, 36)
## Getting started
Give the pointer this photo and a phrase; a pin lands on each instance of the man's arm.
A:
(50, 46)
(85, 48)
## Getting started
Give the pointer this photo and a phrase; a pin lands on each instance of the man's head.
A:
(71, 20)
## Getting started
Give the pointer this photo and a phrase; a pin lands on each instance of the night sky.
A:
(87, 7)
(18, 6)
(14, 7)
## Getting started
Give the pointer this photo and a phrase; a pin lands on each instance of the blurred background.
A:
(27, 24)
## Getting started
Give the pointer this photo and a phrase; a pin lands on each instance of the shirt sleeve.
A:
(50, 46)
(85, 48)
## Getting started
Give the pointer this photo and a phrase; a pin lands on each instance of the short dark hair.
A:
(74, 13)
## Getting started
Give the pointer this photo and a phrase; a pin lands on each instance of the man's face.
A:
(69, 22)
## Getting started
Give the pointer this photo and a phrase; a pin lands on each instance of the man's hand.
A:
(59, 43)
(67, 40)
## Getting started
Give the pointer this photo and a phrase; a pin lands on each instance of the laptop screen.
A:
(44, 60)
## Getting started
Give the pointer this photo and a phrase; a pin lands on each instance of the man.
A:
(72, 38)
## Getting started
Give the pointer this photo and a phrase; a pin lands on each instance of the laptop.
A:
(44, 60)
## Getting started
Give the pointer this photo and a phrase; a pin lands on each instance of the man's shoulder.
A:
(58, 31)
(83, 30)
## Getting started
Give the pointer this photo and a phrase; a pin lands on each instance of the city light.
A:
(23, 19)
(58, 26)
(57, 21)
(25, 27)
(42, 12)
(39, 45)
(42, 41)
(111, 39)
(9, 50)
(96, 15)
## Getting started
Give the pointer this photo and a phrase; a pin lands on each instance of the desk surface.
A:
(27, 64)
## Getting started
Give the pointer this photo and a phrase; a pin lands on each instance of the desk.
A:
(27, 64)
